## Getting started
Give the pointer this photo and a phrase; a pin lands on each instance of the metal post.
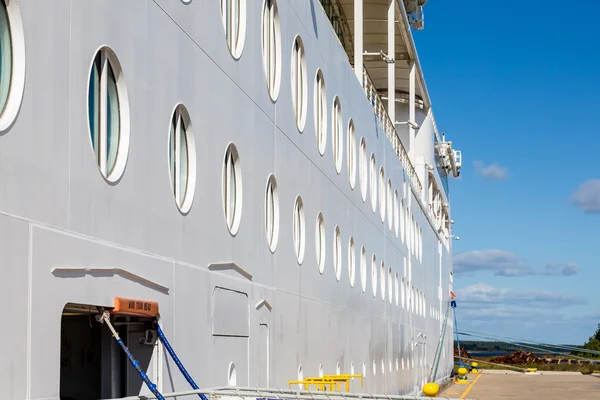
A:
(392, 55)
(411, 109)
(358, 40)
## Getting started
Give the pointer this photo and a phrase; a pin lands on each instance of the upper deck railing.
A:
(339, 23)
(390, 131)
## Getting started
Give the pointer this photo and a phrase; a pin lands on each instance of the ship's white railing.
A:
(236, 393)
(390, 131)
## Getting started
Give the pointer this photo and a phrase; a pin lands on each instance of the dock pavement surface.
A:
(510, 385)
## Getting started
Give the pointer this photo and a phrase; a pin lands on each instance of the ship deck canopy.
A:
(375, 44)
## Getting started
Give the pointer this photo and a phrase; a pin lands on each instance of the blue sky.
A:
(517, 89)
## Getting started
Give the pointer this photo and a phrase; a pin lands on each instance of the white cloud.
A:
(543, 316)
(493, 171)
(504, 263)
(587, 196)
(482, 293)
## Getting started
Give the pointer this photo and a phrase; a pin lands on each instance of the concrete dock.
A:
(502, 385)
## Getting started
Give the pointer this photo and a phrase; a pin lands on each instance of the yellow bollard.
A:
(431, 389)
(462, 375)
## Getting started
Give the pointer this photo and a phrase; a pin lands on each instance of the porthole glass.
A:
(320, 242)
(382, 280)
(351, 261)
(299, 85)
(373, 179)
(402, 222)
(233, 14)
(232, 375)
(271, 47)
(351, 150)
(363, 269)
(300, 377)
(363, 169)
(272, 213)
(182, 159)
(421, 244)
(6, 57)
(390, 204)
(397, 289)
(412, 235)
(232, 189)
(337, 139)
(407, 225)
(374, 275)
(382, 194)
(299, 230)
(396, 212)
(390, 285)
(402, 286)
(320, 112)
(107, 114)
(337, 253)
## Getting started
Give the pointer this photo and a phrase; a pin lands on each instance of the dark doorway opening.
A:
(92, 364)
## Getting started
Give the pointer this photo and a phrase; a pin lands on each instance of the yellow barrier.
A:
(333, 382)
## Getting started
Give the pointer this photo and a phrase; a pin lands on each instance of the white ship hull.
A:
(72, 237)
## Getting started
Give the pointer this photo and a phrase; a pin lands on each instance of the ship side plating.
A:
(284, 256)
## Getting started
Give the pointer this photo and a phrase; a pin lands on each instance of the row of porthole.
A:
(109, 122)
(271, 45)
(104, 107)
(400, 365)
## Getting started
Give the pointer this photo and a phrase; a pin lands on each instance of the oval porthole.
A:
(271, 47)
(363, 269)
(320, 112)
(373, 179)
(351, 261)
(233, 15)
(231, 375)
(363, 169)
(351, 150)
(337, 253)
(382, 195)
(382, 281)
(299, 229)
(12, 63)
(108, 114)
(182, 158)
(299, 85)
(374, 275)
(232, 189)
(337, 138)
(272, 213)
(320, 242)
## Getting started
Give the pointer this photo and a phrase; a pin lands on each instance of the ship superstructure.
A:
(267, 173)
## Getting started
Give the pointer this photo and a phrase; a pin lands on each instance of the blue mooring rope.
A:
(105, 317)
(170, 350)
